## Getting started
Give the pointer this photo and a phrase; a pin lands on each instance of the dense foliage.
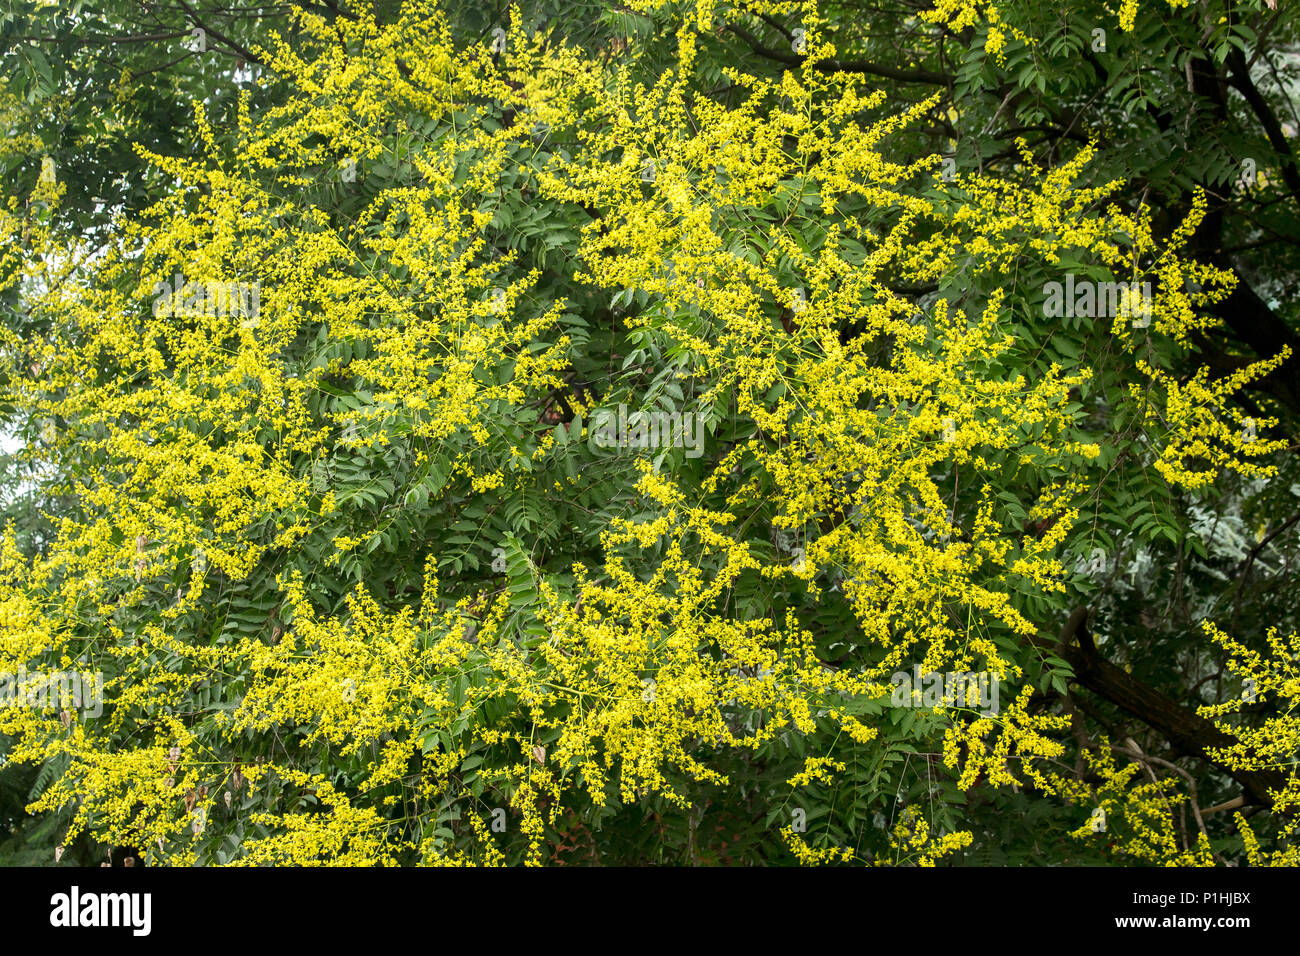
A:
(552, 434)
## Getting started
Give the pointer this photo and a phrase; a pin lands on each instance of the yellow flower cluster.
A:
(210, 458)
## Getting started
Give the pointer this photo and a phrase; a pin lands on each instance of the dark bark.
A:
(1187, 732)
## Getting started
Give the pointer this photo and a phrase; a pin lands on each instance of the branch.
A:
(1188, 732)
(82, 41)
(1134, 751)
(1235, 803)
(1272, 128)
(221, 37)
(841, 66)
(1251, 319)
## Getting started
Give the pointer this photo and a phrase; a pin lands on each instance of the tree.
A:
(495, 448)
